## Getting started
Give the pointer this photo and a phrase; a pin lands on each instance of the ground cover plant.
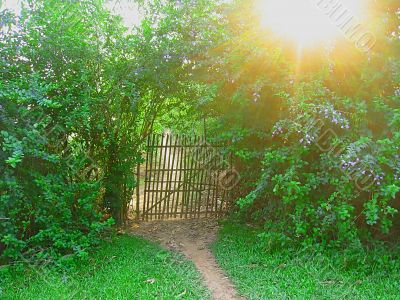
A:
(124, 267)
(263, 269)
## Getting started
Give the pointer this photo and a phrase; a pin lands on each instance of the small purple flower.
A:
(167, 57)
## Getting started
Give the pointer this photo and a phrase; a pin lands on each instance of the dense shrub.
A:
(79, 94)
(316, 136)
(325, 177)
(50, 183)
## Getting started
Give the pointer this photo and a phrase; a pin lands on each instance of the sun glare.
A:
(303, 21)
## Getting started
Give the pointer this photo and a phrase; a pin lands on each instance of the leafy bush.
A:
(79, 95)
(331, 180)
(50, 185)
(316, 139)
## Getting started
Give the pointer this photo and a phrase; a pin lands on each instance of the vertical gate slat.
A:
(164, 177)
(193, 177)
(217, 186)
(209, 175)
(151, 172)
(159, 179)
(197, 185)
(181, 166)
(146, 176)
(228, 193)
(190, 181)
(155, 176)
(185, 177)
(137, 192)
(202, 169)
(215, 189)
(172, 168)
(170, 171)
(151, 176)
(177, 183)
(222, 186)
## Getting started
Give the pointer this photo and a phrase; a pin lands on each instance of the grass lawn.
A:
(125, 268)
(304, 274)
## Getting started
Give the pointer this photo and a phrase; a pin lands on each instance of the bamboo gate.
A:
(184, 177)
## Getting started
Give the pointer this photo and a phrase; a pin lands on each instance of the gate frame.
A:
(198, 178)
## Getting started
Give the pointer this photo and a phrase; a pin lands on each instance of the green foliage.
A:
(316, 140)
(316, 136)
(50, 183)
(79, 96)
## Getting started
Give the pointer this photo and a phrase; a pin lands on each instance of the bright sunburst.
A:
(302, 21)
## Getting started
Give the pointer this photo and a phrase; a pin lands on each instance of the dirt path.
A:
(192, 238)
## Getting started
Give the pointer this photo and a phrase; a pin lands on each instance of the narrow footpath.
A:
(192, 238)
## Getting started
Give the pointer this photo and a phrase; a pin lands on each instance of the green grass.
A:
(124, 268)
(305, 274)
